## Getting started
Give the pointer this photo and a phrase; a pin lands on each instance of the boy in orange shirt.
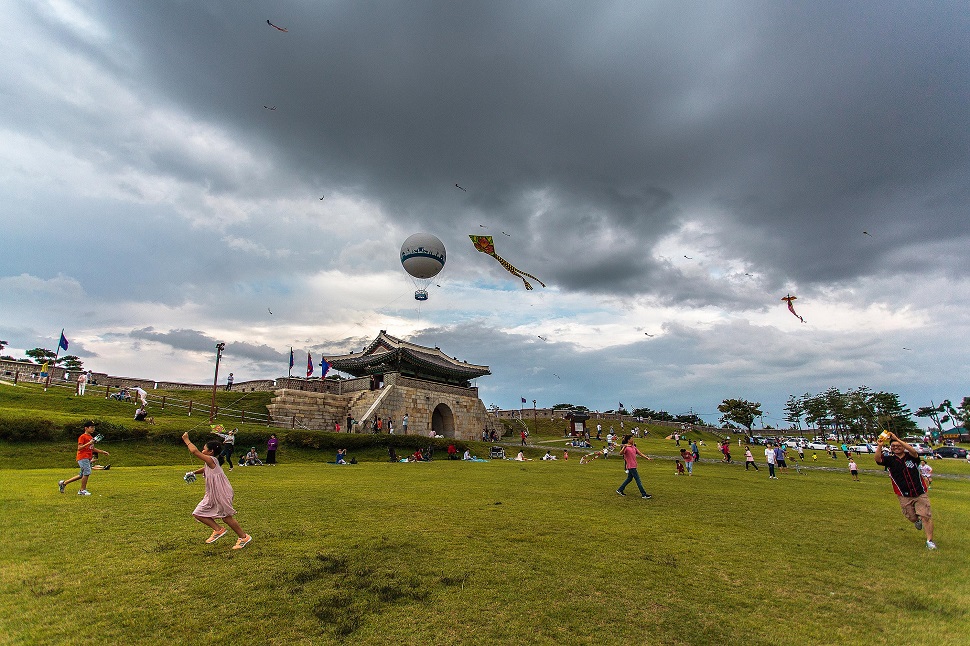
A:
(85, 451)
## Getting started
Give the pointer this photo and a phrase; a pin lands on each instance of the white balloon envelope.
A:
(423, 257)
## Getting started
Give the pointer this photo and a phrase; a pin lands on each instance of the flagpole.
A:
(54, 362)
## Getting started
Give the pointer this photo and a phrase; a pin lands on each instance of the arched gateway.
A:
(393, 379)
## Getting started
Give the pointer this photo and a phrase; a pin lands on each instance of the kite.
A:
(271, 109)
(506, 234)
(456, 186)
(323, 196)
(269, 310)
(905, 348)
(275, 27)
(791, 307)
(688, 257)
(543, 338)
(557, 376)
(867, 233)
(485, 245)
(648, 334)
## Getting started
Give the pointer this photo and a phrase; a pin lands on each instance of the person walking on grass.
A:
(749, 459)
(217, 502)
(85, 452)
(902, 462)
(854, 469)
(770, 459)
(629, 451)
(688, 459)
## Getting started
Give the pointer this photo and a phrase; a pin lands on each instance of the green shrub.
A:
(24, 429)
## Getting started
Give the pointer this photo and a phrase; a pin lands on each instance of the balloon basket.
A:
(421, 295)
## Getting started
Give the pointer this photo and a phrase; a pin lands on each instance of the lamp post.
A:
(215, 381)
(535, 417)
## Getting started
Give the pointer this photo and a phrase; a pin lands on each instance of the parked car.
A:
(863, 448)
(921, 448)
(794, 444)
(819, 446)
(951, 452)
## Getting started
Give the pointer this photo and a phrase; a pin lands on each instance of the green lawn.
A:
(462, 553)
(498, 552)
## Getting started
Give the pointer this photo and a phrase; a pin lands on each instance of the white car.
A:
(863, 448)
(819, 446)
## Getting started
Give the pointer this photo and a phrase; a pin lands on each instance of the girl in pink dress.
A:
(217, 502)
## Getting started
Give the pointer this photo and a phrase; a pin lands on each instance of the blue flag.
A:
(324, 367)
(63, 343)
(291, 358)
(523, 400)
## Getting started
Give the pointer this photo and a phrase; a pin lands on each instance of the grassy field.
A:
(456, 553)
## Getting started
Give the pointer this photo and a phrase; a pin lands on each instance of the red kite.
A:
(791, 307)
(275, 27)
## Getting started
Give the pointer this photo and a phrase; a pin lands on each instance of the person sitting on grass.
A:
(548, 456)
(467, 455)
(141, 415)
(521, 457)
(341, 456)
(417, 456)
(252, 458)
(98, 467)
(680, 468)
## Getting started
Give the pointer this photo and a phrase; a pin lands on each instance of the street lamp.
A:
(535, 417)
(212, 409)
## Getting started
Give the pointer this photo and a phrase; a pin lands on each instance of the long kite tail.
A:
(791, 308)
(516, 272)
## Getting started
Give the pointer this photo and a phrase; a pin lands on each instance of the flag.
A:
(309, 365)
(324, 367)
(63, 342)
(291, 358)
(523, 400)
(621, 405)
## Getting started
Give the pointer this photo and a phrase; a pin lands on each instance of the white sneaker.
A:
(84, 492)
(930, 545)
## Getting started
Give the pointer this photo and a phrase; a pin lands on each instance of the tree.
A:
(794, 409)
(740, 412)
(3, 344)
(40, 355)
(71, 362)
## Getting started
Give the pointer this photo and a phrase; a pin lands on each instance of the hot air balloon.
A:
(423, 256)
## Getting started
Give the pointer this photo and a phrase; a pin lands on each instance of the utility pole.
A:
(215, 382)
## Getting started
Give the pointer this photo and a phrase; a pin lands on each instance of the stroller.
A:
(496, 453)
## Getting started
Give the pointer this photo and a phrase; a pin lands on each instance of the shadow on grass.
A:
(363, 583)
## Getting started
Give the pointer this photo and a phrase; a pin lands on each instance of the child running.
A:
(217, 502)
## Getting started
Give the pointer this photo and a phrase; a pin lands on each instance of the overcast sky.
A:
(669, 170)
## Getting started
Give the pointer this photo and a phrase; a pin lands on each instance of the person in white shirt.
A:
(770, 459)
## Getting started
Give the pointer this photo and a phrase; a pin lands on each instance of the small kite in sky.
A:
(322, 196)
(269, 310)
(648, 334)
(791, 306)
(543, 338)
(688, 257)
(905, 348)
(456, 186)
(867, 233)
(486, 246)
(275, 27)
(747, 274)
(557, 376)
(270, 108)
(507, 234)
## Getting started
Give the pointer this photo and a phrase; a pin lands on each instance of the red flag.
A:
(309, 365)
